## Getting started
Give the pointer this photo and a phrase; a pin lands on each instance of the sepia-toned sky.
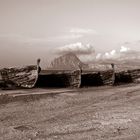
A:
(37, 28)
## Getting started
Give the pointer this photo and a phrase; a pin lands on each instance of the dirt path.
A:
(106, 113)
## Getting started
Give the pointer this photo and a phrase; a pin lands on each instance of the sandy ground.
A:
(100, 113)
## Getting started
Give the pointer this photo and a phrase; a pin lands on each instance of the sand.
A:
(98, 113)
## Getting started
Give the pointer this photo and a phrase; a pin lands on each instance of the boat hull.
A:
(25, 77)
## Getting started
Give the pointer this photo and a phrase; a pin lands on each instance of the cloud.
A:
(124, 49)
(77, 48)
(106, 55)
(82, 31)
(98, 56)
(113, 54)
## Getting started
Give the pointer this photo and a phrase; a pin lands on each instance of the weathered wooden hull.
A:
(128, 76)
(96, 78)
(59, 79)
(107, 77)
(123, 77)
(135, 74)
(89, 79)
(25, 77)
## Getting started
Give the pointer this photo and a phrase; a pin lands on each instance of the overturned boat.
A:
(24, 77)
(59, 78)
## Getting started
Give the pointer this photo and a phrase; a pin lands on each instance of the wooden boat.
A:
(25, 77)
(59, 78)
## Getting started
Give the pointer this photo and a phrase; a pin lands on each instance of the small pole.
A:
(38, 65)
(38, 61)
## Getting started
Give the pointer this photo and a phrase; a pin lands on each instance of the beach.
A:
(106, 112)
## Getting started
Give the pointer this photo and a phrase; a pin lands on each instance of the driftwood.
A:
(25, 77)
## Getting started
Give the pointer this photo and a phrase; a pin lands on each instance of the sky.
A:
(31, 29)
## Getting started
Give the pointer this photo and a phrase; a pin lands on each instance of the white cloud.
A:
(98, 56)
(124, 49)
(82, 31)
(113, 52)
(106, 54)
(77, 48)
